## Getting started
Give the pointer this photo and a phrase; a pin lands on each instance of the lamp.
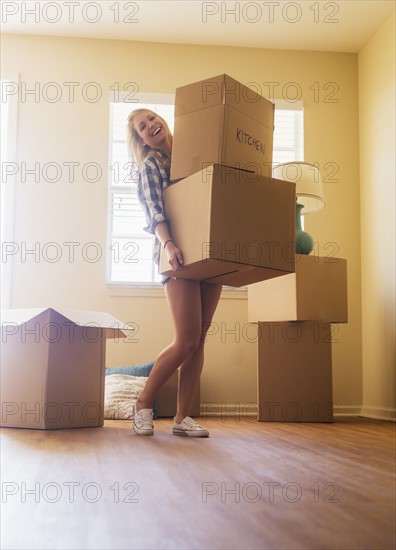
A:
(309, 196)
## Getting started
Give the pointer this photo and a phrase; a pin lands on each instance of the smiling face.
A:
(151, 130)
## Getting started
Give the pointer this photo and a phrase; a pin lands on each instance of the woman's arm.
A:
(175, 256)
(150, 197)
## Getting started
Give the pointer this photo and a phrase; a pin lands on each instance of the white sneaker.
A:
(142, 421)
(188, 426)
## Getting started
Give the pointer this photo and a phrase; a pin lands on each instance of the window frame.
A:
(139, 99)
(8, 188)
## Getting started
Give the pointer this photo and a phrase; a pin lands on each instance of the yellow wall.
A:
(377, 176)
(78, 132)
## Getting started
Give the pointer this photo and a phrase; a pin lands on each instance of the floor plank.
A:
(250, 485)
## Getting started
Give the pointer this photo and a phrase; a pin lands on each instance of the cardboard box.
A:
(221, 121)
(53, 367)
(232, 223)
(316, 291)
(294, 372)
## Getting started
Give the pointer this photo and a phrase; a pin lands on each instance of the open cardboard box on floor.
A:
(316, 291)
(53, 367)
(221, 121)
(233, 227)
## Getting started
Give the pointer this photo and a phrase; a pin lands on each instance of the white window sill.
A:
(153, 290)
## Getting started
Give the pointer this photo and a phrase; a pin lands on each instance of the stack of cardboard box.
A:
(295, 315)
(234, 224)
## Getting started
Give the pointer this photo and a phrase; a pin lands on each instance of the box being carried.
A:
(233, 227)
(53, 367)
(220, 121)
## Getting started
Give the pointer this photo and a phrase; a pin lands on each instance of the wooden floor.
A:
(250, 485)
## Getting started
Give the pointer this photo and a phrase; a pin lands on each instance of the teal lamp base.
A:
(304, 241)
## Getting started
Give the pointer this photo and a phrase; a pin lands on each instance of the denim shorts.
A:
(164, 279)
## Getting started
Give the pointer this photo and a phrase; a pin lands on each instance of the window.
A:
(9, 107)
(289, 132)
(129, 259)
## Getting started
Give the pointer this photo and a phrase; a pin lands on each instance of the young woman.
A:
(192, 303)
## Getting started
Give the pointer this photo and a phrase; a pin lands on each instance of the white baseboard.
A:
(236, 410)
(347, 410)
(249, 410)
(378, 413)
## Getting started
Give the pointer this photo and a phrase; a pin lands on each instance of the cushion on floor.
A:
(121, 392)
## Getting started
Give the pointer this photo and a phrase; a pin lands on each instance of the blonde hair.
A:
(138, 151)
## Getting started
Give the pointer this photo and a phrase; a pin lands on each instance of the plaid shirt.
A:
(152, 180)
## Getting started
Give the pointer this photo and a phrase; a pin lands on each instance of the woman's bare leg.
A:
(184, 298)
(190, 370)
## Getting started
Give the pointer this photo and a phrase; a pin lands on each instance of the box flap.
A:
(79, 317)
(247, 101)
(199, 95)
(224, 90)
(20, 316)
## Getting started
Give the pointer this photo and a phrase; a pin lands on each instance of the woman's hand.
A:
(175, 257)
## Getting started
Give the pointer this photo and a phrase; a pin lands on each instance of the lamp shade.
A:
(309, 188)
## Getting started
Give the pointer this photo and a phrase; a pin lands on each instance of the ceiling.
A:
(339, 26)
